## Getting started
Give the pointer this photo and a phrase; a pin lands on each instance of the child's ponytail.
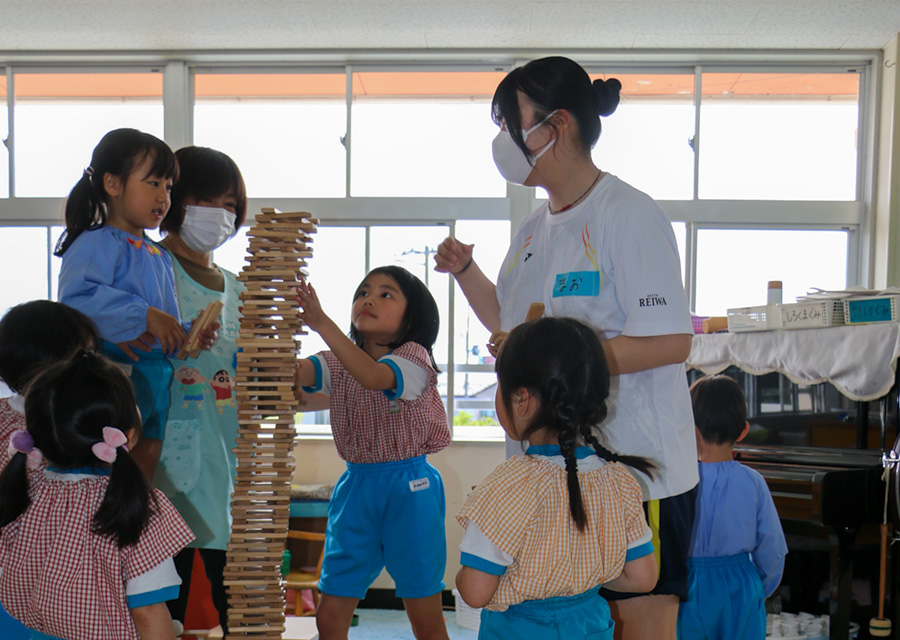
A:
(14, 497)
(643, 465)
(85, 209)
(126, 507)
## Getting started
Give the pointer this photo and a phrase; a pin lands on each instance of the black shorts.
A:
(671, 520)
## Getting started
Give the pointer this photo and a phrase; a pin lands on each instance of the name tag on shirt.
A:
(419, 485)
(577, 283)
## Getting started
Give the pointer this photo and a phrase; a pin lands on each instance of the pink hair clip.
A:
(22, 442)
(112, 439)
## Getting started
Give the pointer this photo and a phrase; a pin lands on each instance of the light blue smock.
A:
(197, 467)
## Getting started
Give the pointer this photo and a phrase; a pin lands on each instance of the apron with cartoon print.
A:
(197, 467)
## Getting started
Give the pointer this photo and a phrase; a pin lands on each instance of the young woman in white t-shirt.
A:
(605, 253)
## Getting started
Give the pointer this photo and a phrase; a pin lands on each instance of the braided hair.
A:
(561, 362)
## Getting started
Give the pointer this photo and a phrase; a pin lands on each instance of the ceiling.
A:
(28, 26)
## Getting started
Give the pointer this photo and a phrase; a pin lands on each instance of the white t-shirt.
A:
(612, 262)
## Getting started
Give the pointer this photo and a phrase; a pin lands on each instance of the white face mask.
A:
(205, 228)
(512, 163)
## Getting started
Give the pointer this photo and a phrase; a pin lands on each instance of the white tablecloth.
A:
(860, 361)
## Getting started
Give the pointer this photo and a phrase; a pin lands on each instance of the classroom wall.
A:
(462, 465)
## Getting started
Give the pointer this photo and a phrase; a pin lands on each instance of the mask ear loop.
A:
(547, 146)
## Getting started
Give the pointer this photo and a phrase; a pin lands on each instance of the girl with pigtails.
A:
(546, 529)
(86, 545)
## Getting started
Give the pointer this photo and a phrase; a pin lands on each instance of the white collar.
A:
(17, 403)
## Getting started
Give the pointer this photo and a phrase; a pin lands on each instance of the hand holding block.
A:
(191, 346)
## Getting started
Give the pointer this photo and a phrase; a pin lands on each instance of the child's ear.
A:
(744, 432)
(112, 184)
(525, 403)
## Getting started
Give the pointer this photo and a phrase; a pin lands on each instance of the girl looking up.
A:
(85, 545)
(118, 277)
(387, 509)
(546, 529)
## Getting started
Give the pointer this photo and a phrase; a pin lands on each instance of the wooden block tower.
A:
(280, 244)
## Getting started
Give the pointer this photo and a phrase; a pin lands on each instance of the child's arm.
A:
(771, 548)
(369, 373)
(476, 587)
(638, 576)
(153, 622)
(166, 328)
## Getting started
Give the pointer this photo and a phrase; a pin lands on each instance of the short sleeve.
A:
(164, 536)
(637, 531)
(646, 264)
(323, 375)
(412, 379)
(159, 584)
(478, 552)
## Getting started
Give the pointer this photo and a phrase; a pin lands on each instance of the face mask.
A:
(205, 228)
(512, 163)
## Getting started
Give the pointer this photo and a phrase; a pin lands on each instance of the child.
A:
(85, 545)
(118, 277)
(197, 467)
(737, 548)
(546, 529)
(387, 509)
(33, 335)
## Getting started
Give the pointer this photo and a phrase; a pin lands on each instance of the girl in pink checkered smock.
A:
(547, 529)
(387, 509)
(86, 545)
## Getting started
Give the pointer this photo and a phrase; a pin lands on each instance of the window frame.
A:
(857, 217)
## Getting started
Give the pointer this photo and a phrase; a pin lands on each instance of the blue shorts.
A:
(386, 515)
(12, 629)
(150, 377)
(726, 600)
(583, 616)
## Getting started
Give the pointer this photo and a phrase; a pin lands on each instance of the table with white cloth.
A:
(831, 488)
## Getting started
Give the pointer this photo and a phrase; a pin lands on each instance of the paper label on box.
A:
(878, 310)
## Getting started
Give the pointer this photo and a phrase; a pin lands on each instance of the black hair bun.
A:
(607, 92)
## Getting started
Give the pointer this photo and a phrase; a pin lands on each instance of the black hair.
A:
(66, 408)
(561, 362)
(550, 84)
(205, 174)
(38, 333)
(422, 320)
(720, 410)
(118, 153)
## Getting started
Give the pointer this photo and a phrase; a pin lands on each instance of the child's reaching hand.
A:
(166, 328)
(311, 309)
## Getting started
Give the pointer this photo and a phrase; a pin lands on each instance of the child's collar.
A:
(550, 450)
(17, 403)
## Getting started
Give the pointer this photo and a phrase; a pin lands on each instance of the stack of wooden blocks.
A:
(280, 244)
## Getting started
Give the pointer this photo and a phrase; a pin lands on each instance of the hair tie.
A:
(112, 439)
(22, 442)
(89, 171)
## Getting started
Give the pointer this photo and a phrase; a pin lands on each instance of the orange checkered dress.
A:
(523, 509)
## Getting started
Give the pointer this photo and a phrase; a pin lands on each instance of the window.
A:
(735, 265)
(23, 260)
(298, 119)
(647, 141)
(424, 134)
(785, 136)
(60, 118)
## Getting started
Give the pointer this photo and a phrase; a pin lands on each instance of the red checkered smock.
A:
(10, 421)
(62, 580)
(369, 428)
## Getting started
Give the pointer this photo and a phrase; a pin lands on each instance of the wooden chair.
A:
(300, 580)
